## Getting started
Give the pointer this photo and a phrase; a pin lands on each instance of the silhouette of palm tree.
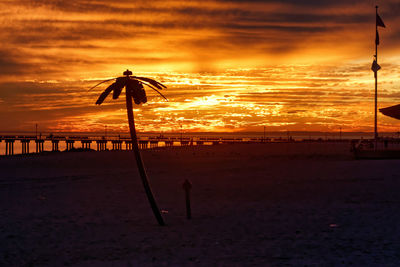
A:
(134, 89)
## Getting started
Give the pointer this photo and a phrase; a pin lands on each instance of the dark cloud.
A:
(276, 31)
(302, 3)
(81, 6)
(11, 63)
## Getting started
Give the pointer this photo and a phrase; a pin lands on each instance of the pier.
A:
(71, 143)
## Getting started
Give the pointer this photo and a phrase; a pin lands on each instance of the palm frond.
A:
(137, 91)
(106, 93)
(151, 81)
(101, 83)
(119, 85)
(155, 90)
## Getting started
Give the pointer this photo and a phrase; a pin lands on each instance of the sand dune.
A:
(253, 205)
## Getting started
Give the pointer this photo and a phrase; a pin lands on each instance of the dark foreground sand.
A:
(253, 205)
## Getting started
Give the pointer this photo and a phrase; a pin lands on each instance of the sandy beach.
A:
(278, 204)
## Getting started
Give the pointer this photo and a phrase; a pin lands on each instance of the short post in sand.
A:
(187, 186)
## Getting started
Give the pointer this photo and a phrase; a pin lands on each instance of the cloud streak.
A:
(303, 64)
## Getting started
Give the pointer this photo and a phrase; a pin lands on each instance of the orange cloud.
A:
(229, 65)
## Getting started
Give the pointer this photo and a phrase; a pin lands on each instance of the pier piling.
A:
(153, 144)
(143, 144)
(169, 143)
(54, 145)
(9, 147)
(39, 145)
(116, 144)
(70, 144)
(86, 144)
(101, 145)
(25, 146)
(128, 145)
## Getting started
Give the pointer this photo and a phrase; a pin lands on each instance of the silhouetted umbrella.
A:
(393, 111)
(134, 90)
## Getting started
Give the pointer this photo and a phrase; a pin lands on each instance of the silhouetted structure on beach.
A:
(134, 89)
(375, 67)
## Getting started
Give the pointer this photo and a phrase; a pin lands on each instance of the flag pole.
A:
(376, 84)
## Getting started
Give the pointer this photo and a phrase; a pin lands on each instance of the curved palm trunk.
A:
(139, 161)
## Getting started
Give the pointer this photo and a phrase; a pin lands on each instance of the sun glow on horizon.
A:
(281, 97)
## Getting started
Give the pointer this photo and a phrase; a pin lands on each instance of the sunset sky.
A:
(228, 65)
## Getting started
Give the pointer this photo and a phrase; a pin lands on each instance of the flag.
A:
(393, 111)
(377, 38)
(375, 67)
(379, 21)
